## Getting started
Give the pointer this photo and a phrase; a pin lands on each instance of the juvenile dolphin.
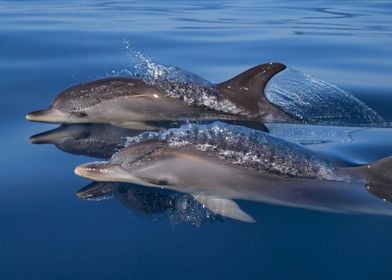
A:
(133, 103)
(218, 163)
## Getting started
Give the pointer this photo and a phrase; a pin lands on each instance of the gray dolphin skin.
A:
(220, 163)
(132, 103)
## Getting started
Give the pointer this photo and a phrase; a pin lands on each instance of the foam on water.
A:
(188, 209)
(313, 135)
(315, 101)
(300, 95)
(252, 149)
(179, 84)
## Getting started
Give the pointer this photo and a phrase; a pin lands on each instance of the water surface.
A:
(47, 232)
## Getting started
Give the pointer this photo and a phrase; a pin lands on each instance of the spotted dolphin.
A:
(135, 103)
(220, 163)
(132, 103)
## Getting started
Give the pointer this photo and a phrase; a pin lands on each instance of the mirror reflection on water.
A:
(290, 184)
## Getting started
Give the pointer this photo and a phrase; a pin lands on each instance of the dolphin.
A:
(220, 163)
(135, 103)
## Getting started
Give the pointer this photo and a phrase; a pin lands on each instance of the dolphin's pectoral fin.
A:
(135, 125)
(247, 89)
(224, 207)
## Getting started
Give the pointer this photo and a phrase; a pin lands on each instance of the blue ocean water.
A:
(48, 233)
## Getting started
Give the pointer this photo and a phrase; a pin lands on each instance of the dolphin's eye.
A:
(80, 114)
(159, 182)
(162, 182)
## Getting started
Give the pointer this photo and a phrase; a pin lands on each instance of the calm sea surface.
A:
(47, 232)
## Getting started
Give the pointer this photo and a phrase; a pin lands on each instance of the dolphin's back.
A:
(83, 96)
(251, 149)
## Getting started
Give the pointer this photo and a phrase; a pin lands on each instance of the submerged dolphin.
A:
(133, 103)
(218, 163)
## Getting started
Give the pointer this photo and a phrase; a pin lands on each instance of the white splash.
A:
(179, 84)
(313, 100)
(248, 148)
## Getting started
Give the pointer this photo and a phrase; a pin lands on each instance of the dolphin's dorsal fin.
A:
(247, 88)
(224, 207)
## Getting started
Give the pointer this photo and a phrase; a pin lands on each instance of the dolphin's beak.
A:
(103, 172)
(50, 115)
(54, 136)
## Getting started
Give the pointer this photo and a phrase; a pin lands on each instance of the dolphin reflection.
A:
(335, 142)
(149, 203)
(94, 140)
